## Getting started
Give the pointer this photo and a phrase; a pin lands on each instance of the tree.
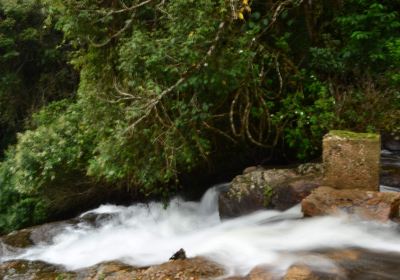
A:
(34, 69)
(167, 87)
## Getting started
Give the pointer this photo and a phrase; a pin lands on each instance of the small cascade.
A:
(148, 234)
(390, 171)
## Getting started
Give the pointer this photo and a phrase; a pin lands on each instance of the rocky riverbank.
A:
(318, 248)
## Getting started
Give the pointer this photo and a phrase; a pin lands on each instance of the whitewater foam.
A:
(148, 234)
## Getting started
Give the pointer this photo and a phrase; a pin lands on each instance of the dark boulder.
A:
(273, 188)
(180, 255)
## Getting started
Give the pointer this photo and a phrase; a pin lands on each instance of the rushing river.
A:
(147, 234)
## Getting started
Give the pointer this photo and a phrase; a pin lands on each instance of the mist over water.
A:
(148, 234)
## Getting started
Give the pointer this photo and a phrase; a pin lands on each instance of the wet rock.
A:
(390, 177)
(304, 272)
(361, 264)
(261, 273)
(310, 168)
(33, 270)
(351, 160)
(391, 142)
(350, 263)
(45, 233)
(7, 250)
(274, 188)
(252, 169)
(366, 205)
(180, 255)
(194, 268)
(293, 192)
(18, 239)
(369, 265)
(42, 234)
(390, 169)
(300, 272)
(96, 219)
(109, 271)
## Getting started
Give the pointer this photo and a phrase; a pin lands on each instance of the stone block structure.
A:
(351, 160)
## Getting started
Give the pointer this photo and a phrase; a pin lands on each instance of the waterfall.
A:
(148, 234)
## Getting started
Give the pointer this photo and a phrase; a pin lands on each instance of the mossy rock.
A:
(350, 135)
(34, 270)
(277, 189)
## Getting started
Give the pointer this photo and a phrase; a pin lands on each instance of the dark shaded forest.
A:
(100, 96)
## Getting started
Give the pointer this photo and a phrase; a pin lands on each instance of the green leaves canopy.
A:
(168, 86)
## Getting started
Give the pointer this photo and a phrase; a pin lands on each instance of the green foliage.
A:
(309, 122)
(44, 158)
(33, 61)
(360, 62)
(17, 210)
(167, 86)
(51, 151)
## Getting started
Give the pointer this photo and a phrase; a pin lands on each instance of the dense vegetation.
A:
(168, 86)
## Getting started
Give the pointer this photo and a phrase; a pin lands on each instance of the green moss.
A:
(354, 135)
(268, 193)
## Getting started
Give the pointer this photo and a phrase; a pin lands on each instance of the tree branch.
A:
(153, 103)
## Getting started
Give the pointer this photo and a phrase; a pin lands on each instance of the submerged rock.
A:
(368, 205)
(261, 272)
(274, 189)
(42, 234)
(96, 219)
(304, 272)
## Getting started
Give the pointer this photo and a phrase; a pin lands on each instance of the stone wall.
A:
(351, 160)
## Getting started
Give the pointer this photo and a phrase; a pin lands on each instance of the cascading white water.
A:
(143, 235)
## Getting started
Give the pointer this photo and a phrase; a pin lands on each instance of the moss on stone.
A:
(268, 193)
(354, 135)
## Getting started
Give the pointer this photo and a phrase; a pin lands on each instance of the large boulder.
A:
(273, 188)
(351, 160)
(368, 205)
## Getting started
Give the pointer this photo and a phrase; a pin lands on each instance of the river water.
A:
(147, 234)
